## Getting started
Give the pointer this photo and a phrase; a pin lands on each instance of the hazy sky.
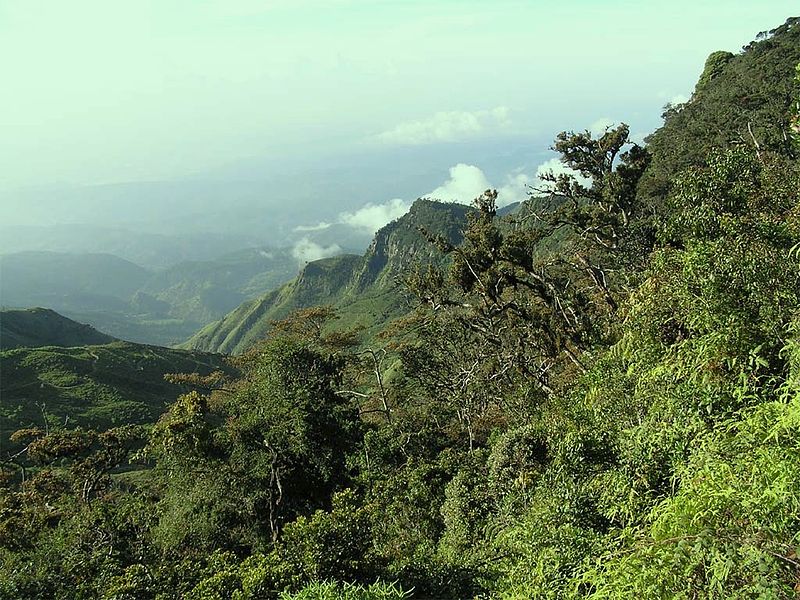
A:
(97, 91)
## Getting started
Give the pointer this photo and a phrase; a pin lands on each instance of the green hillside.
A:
(365, 289)
(739, 99)
(93, 386)
(36, 327)
(202, 291)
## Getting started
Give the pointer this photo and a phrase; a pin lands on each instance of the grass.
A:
(91, 386)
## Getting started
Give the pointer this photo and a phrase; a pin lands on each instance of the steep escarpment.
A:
(365, 289)
(320, 282)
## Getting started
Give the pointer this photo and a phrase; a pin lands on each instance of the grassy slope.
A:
(94, 386)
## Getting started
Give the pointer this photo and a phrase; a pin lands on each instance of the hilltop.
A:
(36, 327)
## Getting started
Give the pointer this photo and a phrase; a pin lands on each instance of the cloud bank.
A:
(600, 126)
(450, 126)
(322, 225)
(556, 167)
(305, 251)
(374, 216)
(466, 183)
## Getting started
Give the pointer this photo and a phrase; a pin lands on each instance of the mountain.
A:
(202, 291)
(130, 302)
(37, 327)
(150, 250)
(69, 281)
(739, 99)
(97, 386)
(364, 289)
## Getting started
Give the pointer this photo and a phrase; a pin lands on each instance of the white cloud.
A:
(466, 183)
(599, 127)
(322, 225)
(374, 216)
(556, 167)
(669, 97)
(637, 137)
(516, 188)
(305, 250)
(447, 126)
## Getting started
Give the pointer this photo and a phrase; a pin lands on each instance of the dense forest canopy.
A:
(595, 396)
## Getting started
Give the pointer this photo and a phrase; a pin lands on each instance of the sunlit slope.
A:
(740, 99)
(92, 386)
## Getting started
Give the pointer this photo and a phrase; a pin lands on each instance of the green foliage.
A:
(95, 387)
(715, 64)
(745, 100)
(279, 451)
(330, 545)
(333, 591)
(730, 531)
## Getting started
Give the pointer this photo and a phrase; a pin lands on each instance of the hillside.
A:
(93, 386)
(202, 291)
(364, 289)
(37, 327)
(739, 99)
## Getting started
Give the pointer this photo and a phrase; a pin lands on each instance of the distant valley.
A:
(130, 302)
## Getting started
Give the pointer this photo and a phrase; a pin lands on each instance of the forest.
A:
(594, 395)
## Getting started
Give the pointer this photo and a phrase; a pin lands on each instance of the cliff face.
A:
(365, 289)
(401, 245)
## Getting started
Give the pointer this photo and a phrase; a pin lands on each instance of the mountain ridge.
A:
(364, 289)
(37, 327)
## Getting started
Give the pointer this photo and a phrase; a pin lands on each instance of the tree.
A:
(255, 457)
(527, 297)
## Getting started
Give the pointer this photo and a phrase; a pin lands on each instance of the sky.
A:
(106, 92)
